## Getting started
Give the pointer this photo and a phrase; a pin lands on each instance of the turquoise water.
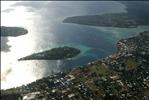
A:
(46, 30)
(103, 42)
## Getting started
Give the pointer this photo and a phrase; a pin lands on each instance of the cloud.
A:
(73, 8)
(4, 75)
(31, 4)
(67, 7)
(8, 10)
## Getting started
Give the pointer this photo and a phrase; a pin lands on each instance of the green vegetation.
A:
(146, 93)
(121, 76)
(100, 70)
(12, 31)
(122, 20)
(53, 54)
(131, 63)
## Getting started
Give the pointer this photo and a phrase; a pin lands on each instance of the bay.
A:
(43, 20)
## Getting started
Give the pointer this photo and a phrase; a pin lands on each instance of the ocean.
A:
(43, 20)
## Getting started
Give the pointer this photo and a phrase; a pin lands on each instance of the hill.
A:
(12, 31)
(121, 76)
(121, 20)
(53, 54)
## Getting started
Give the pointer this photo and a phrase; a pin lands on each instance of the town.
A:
(120, 76)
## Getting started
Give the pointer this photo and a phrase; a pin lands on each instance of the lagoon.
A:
(43, 20)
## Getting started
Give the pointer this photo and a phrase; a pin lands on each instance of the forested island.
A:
(123, 75)
(12, 31)
(121, 20)
(53, 54)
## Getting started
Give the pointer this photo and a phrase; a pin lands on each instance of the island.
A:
(12, 31)
(53, 54)
(121, 20)
(123, 75)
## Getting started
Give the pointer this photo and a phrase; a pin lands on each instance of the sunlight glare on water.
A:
(46, 30)
(14, 73)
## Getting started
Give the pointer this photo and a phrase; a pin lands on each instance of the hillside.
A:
(121, 20)
(123, 75)
(59, 53)
(12, 31)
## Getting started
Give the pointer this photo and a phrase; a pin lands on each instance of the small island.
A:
(120, 76)
(53, 54)
(121, 20)
(12, 31)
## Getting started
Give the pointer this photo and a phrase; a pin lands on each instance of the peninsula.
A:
(121, 20)
(12, 31)
(123, 75)
(53, 54)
